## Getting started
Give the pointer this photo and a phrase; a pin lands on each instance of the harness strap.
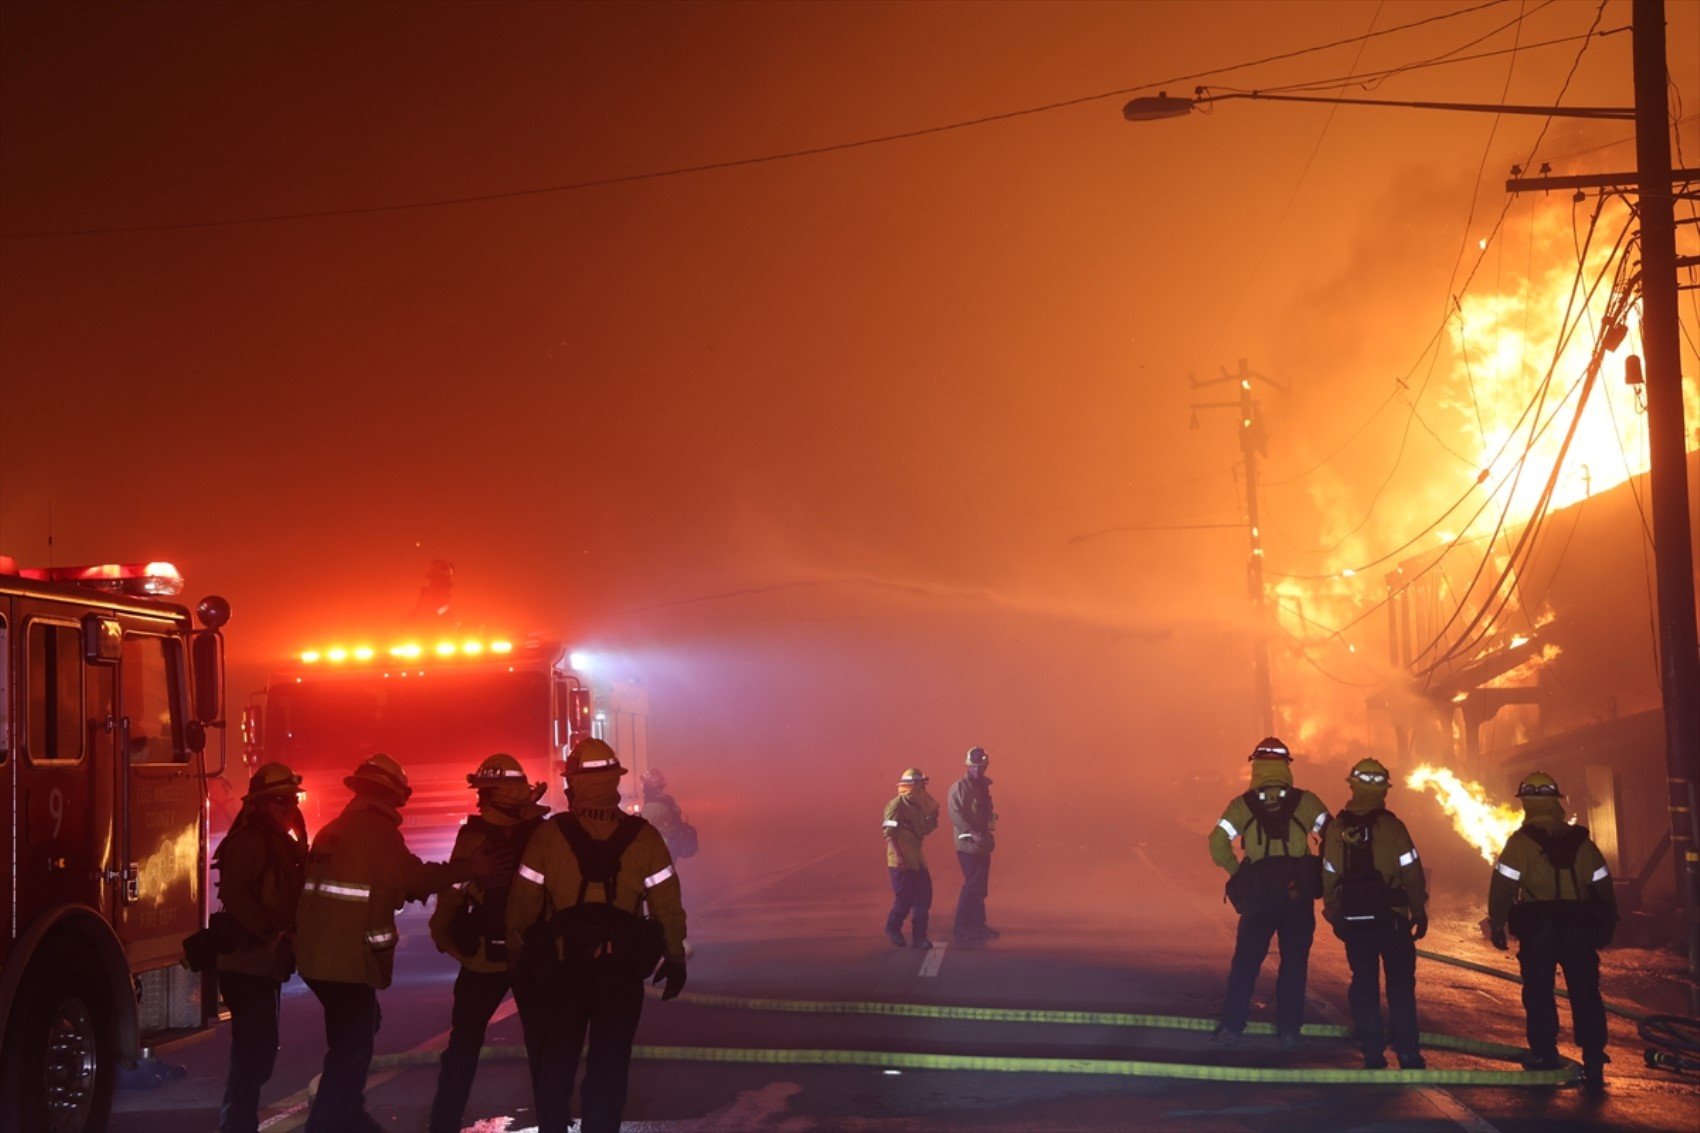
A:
(602, 855)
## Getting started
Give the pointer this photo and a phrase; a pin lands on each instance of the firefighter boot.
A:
(1594, 1070)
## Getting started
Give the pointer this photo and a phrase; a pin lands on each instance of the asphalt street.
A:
(1146, 933)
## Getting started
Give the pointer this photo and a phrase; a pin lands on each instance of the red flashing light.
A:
(151, 580)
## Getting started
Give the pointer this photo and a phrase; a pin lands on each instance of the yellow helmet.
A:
(1368, 773)
(1539, 785)
(496, 770)
(590, 757)
(912, 777)
(382, 772)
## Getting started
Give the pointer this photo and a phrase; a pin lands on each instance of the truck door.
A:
(159, 902)
(64, 834)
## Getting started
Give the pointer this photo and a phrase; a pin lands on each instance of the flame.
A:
(1485, 825)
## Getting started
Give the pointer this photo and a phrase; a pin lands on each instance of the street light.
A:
(1163, 106)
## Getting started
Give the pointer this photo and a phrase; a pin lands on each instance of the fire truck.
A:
(437, 701)
(108, 692)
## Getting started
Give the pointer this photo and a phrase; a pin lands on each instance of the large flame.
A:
(1485, 825)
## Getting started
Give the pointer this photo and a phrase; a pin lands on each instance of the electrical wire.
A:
(735, 163)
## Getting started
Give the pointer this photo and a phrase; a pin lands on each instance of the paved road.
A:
(1144, 934)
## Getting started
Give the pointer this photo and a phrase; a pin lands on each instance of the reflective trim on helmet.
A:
(1513, 874)
(1229, 827)
(1601, 874)
(531, 875)
(340, 892)
(381, 939)
(1321, 821)
(596, 764)
(658, 877)
(1408, 858)
(889, 822)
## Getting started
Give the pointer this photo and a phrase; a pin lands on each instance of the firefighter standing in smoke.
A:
(1552, 889)
(1375, 896)
(359, 873)
(471, 924)
(583, 950)
(261, 867)
(909, 817)
(1273, 888)
(971, 815)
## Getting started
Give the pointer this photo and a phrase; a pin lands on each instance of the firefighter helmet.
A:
(912, 777)
(1368, 773)
(1539, 785)
(977, 757)
(653, 780)
(496, 770)
(382, 773)
(272, 779)
(591, 756)
(1270, 748)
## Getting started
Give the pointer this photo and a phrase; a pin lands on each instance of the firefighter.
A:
(1552, 890)
(261, 863)
(971, 815)
(581, 947)
(359, 873)
(1375, 897)
(471, 924)
(909, 817)
(1273, 885)
(662, 811)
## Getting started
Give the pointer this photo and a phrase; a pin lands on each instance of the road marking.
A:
(935, 957)
(291, 1112)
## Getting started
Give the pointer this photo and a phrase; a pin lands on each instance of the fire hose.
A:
(1674, 1040)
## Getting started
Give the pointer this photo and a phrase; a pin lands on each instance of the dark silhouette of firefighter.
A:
(1273, 885)
(262, 865)
(909, 818)
(662, 811)
(584, 946)
(471, 924)
(435, 604)
(359, 872)
(971, 815)
(1552, 890)
(1375, 897)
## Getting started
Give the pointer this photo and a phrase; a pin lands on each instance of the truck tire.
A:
(61, 1060)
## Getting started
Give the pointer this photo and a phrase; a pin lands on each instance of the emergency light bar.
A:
(150, 580)
(406, 651)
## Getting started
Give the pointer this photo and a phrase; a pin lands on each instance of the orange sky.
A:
(896, 379)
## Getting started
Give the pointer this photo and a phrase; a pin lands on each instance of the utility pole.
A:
(1679, 654)
(1254, 442)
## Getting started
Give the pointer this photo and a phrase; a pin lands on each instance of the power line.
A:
(735, 163)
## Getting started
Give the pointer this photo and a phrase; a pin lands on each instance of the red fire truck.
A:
(107, 694)
(439, 702)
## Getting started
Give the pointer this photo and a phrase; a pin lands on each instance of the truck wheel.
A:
(62, 1060)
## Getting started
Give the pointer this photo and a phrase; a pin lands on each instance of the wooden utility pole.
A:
(1679, 654)
(1254, 442)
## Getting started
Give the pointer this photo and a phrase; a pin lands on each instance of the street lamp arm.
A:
(1164, 106)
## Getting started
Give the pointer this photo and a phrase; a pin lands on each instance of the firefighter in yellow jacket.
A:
(1551, 887)
(471, 924)
(582, 948)
(1273, 885)
(1375, 896)
(359, 872)
(909, 817)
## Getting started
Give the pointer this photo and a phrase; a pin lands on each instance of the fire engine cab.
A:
(438, 702)
(107, 694)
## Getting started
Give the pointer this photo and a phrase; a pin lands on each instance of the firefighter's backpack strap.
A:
(1560, 848)
(598, 861)
(1275, 821)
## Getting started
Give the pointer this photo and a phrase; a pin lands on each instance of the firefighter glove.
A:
(1498, 938)
(1419, 925)
(672, 973)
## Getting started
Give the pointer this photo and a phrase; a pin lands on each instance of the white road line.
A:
(935, 957)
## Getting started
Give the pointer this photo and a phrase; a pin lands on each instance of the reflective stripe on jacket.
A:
(1395, 858)
(1523, 873)
(1239, 824)
(358, 874)
(970, 804)
(548, 881)
(908, 819)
